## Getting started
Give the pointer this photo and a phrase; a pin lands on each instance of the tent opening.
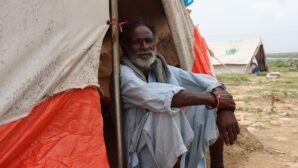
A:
(153, 13)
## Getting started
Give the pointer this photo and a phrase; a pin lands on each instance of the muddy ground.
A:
(268, 114)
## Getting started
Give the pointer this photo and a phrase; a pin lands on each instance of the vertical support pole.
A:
(116, 74)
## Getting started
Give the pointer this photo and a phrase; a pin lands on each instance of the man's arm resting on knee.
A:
(188, 98)
(226, 120)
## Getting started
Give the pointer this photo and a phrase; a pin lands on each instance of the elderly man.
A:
(170, 115)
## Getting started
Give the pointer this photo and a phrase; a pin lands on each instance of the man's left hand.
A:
(227, 102)
(228, 126)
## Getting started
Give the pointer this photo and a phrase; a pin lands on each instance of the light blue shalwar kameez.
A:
(155, 133)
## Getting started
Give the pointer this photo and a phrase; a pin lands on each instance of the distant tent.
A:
(243, 56)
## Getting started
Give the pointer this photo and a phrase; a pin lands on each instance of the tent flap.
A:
(47, 46)
(182, 30)
(63, 131)
(201, 63)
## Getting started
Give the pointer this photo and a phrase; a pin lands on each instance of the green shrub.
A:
(282, 65)
(234, 77)
(261, 73)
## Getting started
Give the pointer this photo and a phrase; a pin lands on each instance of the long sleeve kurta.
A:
(155, 133)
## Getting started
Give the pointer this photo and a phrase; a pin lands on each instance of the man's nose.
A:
(144, 45)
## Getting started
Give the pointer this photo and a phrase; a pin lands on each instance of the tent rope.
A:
(116, 22)
(228, 68)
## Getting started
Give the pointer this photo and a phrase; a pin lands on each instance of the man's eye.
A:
(135, 42)
(149, 40)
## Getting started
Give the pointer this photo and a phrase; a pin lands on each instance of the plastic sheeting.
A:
(187, 2)
(47, 46)
(201, 63)
(182, 28)
(235, 52)
(63, 131)
(237, 56)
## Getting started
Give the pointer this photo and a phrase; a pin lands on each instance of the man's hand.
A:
(227, 101)
(228, 126)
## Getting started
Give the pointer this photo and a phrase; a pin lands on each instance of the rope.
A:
(228, 69)
(115, 22)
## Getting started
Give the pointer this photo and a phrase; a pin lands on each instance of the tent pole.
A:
(116, 74)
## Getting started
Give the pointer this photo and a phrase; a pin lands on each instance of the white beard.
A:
(143, 61)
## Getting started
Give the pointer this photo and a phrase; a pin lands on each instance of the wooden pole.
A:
(116, 74)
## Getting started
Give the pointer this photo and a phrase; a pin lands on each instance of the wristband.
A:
(218, 101)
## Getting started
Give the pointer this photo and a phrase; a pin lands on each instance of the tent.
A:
(55, 55)
(238, 56)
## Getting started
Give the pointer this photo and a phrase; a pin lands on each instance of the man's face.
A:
(141, 47)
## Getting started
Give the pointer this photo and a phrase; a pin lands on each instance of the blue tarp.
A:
(187, 2)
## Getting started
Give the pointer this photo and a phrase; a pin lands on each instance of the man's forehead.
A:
(141, 31)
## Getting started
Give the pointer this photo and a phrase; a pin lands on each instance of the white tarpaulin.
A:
(47, 46)
(238, 56)
(183, 32)
(235, 52)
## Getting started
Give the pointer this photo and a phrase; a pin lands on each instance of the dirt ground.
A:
(267, 111)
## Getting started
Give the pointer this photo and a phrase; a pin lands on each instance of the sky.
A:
(274, 21)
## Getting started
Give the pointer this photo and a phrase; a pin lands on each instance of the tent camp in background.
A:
(245, 56)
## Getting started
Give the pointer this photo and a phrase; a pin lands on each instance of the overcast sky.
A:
(274, 21)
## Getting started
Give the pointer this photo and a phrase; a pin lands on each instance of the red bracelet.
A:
(218, 99)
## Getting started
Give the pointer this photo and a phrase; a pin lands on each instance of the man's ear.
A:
(156, 40)
(121, 51)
